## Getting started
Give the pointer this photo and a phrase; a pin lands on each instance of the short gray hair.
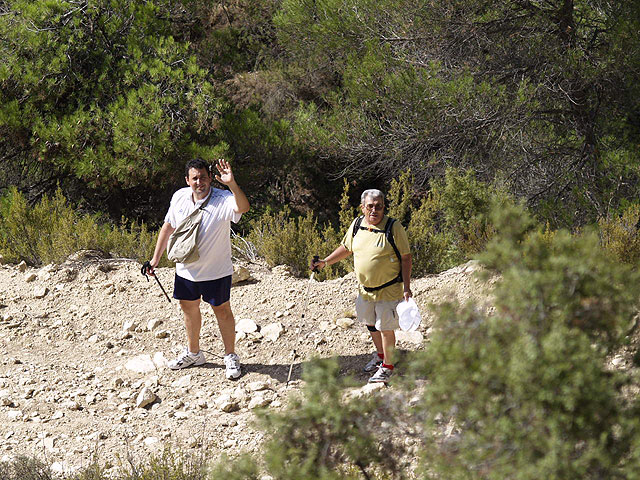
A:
(373, 193)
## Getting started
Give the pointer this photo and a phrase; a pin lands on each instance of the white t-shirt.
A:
(214, 244)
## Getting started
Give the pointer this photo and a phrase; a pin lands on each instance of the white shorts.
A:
(381, 315)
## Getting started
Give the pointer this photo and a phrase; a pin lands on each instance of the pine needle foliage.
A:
(527, 387)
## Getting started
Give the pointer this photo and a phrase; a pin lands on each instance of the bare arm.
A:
(338, 254)
(242, 202)
(161, 245)
(225, 176)
(406, 275)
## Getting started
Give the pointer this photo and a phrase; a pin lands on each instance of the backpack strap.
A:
(356, 225)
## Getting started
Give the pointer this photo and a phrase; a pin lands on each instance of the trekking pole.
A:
(146, 267)
(304, 312)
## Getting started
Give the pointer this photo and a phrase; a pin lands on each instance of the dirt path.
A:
(76, 353)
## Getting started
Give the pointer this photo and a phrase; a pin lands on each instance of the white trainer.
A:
(381, 376)
(187, 359)
(373, 364)
(232, 364)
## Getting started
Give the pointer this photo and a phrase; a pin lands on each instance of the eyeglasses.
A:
(374, 206)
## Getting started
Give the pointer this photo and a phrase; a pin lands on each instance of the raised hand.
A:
(225, 175)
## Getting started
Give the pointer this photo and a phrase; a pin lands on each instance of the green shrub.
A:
(527, 387)
(451, 223)
(284, 239)
(25, 468)
(322, 435)
(449, 226)
(619, 235)
(51, 230)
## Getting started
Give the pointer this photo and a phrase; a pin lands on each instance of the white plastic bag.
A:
(409, 315)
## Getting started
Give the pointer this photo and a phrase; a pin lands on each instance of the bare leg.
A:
(192, 323)
(388, 345)
(227, 325)
(377, 340)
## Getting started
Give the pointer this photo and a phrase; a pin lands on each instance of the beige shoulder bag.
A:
(183, 242)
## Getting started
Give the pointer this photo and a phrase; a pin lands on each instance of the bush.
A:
(619, 235)
(451, 223)
(325, 436)
(284, 239)
(52, 230)
(527, 387)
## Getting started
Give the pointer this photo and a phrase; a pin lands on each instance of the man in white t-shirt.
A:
(209, 277)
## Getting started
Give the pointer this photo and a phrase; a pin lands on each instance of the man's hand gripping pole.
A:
(147, 269)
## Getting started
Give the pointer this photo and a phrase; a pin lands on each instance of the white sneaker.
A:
(373, 364)
(187, 359)
(232, 364)
(381, 376)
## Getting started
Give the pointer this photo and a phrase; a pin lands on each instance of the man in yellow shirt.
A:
(384, 274)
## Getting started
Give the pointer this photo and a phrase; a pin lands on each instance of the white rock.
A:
(284, 270)
(246, 325)
(345, 322)
(145, 397)
(129, 326)
(365, 391)
(159, 360)
(22, 266)
(272, 331)
(182, 382)
(149, 441)
(30, 277)
(49, 443)
(40, 292)
(59, 468)
(617, 361)
(58, 414)
(226, 403)
(324, 326)
(153, 324)
(290, 305)
(257, 386)
(259, 401)
(279, 314)
(162, 334)
(141, 364)
(193, 442)
(240, 274)
(71, 405)
(414, 337)
(14, 415)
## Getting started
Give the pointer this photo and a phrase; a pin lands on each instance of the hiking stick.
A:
(145, 270)
(304, 312)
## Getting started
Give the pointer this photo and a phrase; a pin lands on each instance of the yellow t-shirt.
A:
(374, 259)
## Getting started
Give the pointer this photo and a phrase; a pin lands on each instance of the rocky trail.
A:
(84, 346)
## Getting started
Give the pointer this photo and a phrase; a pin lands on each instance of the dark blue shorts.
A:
(215, 292)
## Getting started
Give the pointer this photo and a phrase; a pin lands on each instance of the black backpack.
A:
(389, 234)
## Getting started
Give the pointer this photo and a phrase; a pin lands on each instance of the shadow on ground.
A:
(350, 365)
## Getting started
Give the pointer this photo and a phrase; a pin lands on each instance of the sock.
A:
(381, 356)
(390, 367)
